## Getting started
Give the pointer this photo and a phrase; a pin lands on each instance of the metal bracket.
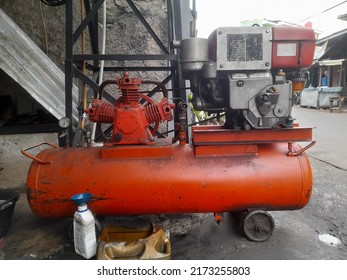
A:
(293, 153)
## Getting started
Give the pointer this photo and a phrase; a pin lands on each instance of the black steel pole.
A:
(68, 64)
(181, 18)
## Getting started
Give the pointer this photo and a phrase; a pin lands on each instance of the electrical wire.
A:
(44, 27)
(326, 10)
(52, 3)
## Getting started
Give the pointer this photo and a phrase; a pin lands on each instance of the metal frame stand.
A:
(180, 19)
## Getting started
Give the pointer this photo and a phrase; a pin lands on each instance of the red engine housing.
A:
(292, 47)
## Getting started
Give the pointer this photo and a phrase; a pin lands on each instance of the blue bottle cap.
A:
(81, 198)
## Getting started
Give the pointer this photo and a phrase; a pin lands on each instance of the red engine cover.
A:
(292, 47)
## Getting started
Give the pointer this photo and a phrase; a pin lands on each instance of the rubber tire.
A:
(258, 225)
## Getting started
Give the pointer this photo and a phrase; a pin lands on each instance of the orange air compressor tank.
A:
(165, 178)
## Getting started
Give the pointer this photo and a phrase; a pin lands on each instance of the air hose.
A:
(54, 3)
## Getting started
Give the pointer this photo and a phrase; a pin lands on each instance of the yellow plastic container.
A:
(128, 243)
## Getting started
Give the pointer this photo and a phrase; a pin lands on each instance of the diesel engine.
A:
(249, 73)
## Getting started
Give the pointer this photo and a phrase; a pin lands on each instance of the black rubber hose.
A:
(159, 85)
(103, 85)
(54, 3)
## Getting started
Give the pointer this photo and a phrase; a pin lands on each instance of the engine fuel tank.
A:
(165, 178)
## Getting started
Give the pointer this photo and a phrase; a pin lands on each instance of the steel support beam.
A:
(69, 64)
(183, 19)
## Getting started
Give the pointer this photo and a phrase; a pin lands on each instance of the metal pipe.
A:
(102, 64)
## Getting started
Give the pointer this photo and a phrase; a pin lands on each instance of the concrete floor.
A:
(297, 234)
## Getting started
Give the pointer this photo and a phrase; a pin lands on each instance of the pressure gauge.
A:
(64, 122)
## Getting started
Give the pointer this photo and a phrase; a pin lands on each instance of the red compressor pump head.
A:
(131, 119)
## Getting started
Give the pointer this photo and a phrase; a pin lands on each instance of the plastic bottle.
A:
(84, 227)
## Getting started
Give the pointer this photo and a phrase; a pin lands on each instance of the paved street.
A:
(318, 231)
